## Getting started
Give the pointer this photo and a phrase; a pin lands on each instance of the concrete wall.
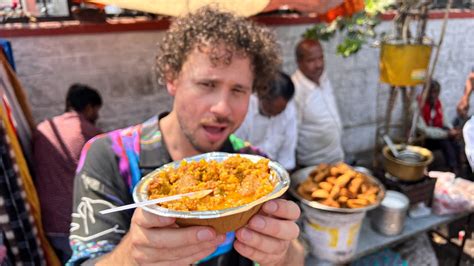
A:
(120, 65)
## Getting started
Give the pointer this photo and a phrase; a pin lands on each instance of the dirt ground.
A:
(446, 253)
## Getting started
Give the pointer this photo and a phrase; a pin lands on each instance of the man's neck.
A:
(176, 142)
(318, 82)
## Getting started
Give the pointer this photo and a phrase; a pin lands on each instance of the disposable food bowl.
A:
(224, 220)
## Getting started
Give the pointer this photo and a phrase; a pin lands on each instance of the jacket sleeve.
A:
(98, 185)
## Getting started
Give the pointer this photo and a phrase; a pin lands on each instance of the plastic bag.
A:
(452, 195)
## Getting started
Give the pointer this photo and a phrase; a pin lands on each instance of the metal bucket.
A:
(389, 217)
(333, 236)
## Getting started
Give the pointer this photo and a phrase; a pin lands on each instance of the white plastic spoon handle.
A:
(153, 201)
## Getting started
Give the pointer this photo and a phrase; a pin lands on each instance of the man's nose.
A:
(221, 107)
(320, 63)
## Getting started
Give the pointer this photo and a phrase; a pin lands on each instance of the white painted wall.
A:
(120, 65)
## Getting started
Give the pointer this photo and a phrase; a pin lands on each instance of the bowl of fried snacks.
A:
(240, 184)
(337, 188)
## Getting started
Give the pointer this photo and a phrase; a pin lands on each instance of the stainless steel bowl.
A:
(301, 175)
(410, 156)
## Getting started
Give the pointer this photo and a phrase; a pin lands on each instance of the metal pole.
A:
(432, 70)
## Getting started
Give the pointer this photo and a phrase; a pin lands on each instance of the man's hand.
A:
(454, 133)
(268, 236)
(463, 104)
(157, 240)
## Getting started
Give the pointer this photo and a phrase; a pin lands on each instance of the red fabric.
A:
(346, 9)
(437, 119)
(57, 145)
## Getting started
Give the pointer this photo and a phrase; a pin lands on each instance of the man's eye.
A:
(207, 84)
(239, 91)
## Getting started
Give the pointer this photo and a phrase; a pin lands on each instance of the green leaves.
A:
(374, 7)
(356, 29)
(349, 46)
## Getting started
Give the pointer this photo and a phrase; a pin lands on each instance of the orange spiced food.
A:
(235, 181)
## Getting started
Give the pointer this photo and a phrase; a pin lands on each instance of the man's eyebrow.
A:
(240, 86)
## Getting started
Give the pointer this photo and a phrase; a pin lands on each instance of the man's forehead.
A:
(207, 63)
(219, 52)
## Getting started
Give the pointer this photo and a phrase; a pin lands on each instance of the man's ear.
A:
(171, 87)
(171, 82)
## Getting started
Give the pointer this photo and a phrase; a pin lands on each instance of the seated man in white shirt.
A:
(468, 134)
(319, 125)
(271, 123)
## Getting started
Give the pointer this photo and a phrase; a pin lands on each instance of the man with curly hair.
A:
(210, 62)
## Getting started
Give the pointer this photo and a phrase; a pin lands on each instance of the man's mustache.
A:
(216, 120)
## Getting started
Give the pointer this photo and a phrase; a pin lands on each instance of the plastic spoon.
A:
(193, 195)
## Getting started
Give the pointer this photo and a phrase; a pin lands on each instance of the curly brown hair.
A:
(210, 27)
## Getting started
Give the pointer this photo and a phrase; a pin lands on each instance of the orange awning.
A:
(241, 7)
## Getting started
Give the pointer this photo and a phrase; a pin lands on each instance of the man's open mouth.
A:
(215, 132)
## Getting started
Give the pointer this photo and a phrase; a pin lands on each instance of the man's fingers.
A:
(281, 208)
(263, 243)
(167, 238)
(150, 220)
(281, 229)
(194, 258)
(255, 254)
(149, 254)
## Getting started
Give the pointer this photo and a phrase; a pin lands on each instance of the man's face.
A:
(91, 113)
(312, 62)
(272, 107)
(433, 96)
(211, 100)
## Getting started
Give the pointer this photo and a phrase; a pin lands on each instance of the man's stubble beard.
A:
(192, 140)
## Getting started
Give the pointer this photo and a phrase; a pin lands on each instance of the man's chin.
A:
(209, 147)
(205, 145)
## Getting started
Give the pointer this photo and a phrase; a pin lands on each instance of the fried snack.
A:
(331, 179)
(334, 191)
(370, 198)
(326, 186)
(320, 194)
(342, 199)
(342, 180)
(331, 202)
(355, 185)
(357, 203)
(304, 193)
(308, 186)
(319, 177)
(344, 192)
(334, 171)
(372, 190)
(342, 167)
(339, 186)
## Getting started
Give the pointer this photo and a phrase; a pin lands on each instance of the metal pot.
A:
(411, 163)
(389, 217)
